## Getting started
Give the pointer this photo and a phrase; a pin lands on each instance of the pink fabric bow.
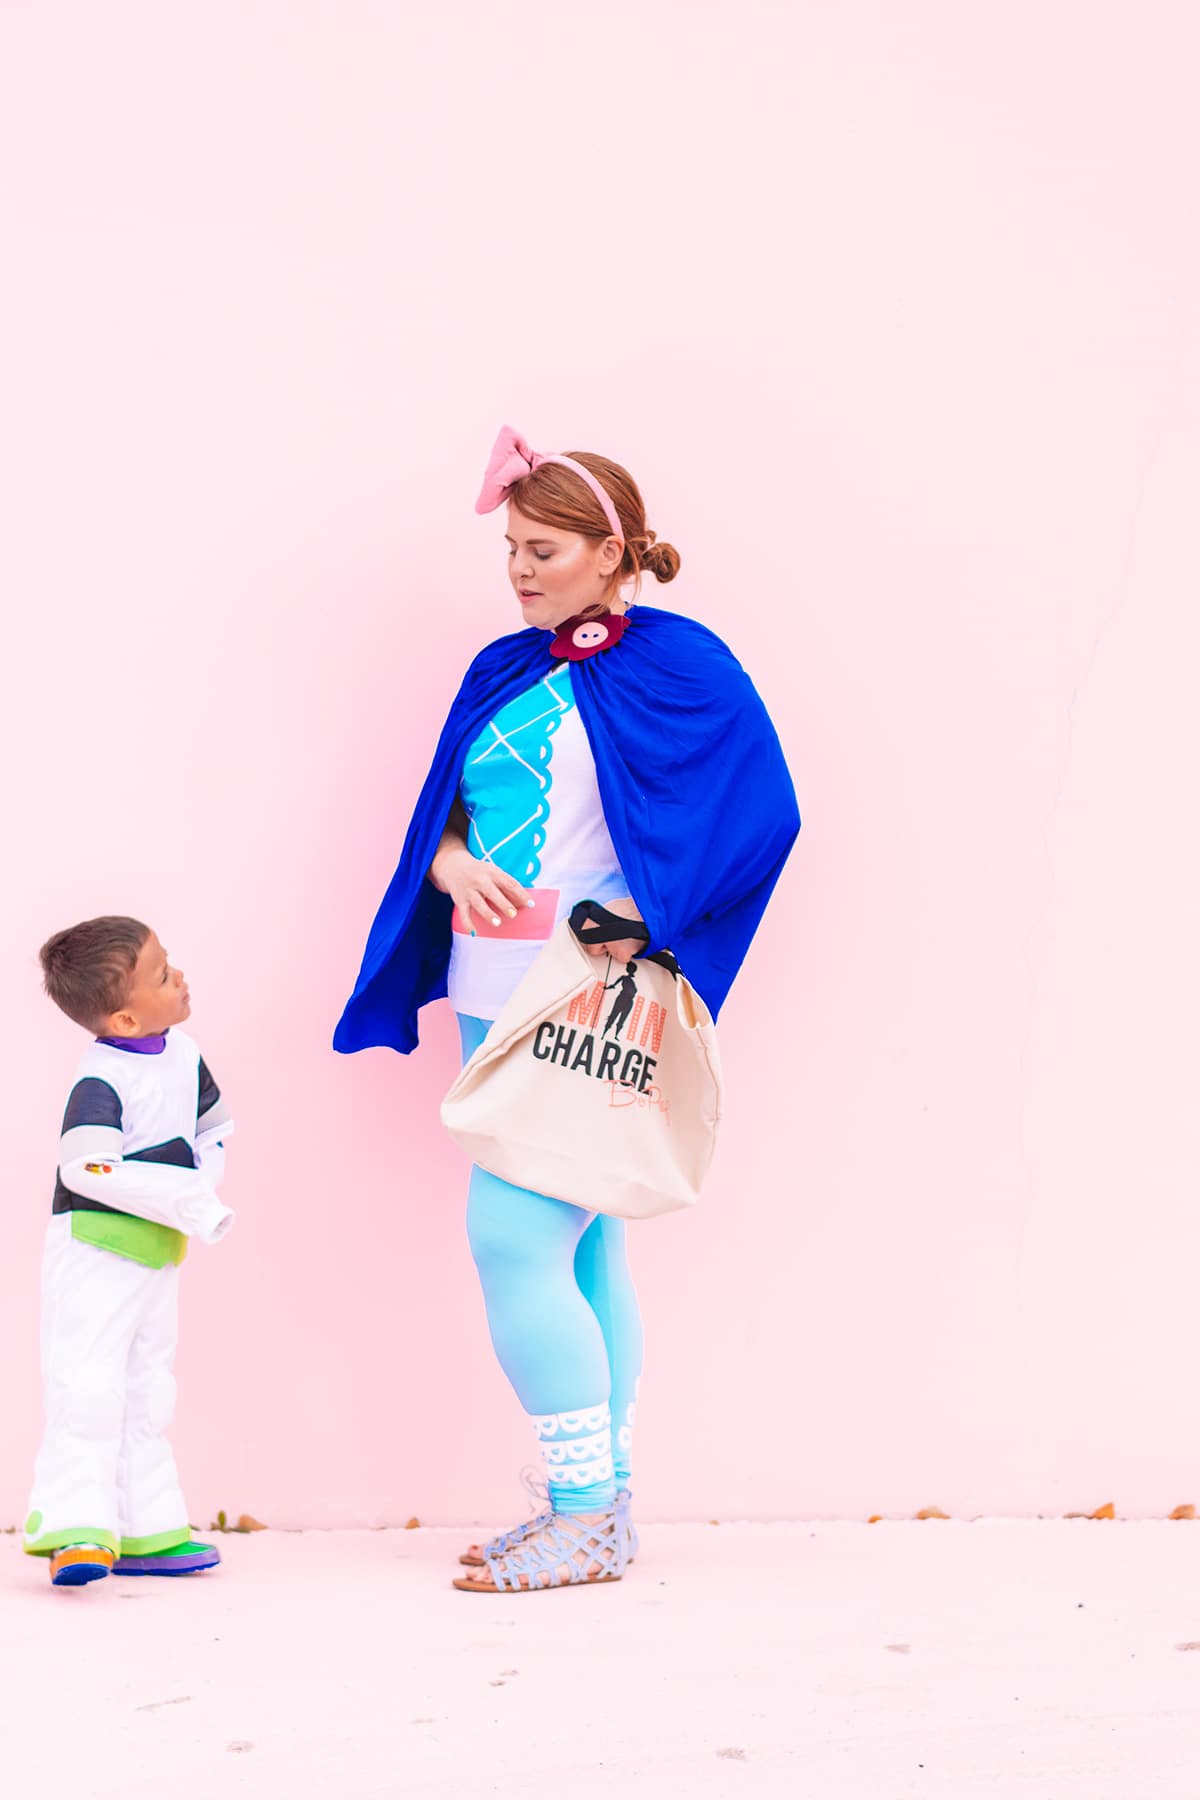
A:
(511, 459)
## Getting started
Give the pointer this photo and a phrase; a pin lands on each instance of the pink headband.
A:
(511, 459)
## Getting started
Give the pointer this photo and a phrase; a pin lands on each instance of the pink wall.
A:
(893, 311)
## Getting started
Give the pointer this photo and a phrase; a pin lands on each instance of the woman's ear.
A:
(611, 552)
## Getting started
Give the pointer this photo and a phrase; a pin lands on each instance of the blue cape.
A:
(696, 795)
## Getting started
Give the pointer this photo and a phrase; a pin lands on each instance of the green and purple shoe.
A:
(181, 1559)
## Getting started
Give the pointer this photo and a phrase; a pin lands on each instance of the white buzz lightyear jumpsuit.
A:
(141, 1154)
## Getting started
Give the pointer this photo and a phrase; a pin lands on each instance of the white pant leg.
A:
(150, 1503)
(92, 1306)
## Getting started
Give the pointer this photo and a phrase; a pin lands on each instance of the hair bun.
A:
(662, 560)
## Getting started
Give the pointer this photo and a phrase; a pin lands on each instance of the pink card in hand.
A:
(532, 922)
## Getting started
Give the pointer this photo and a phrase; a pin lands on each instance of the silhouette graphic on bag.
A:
(574, 1046)
(622, 1006)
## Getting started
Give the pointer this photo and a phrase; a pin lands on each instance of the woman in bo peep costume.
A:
(608, 751)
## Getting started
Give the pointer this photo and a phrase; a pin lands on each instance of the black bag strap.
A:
(609, 927)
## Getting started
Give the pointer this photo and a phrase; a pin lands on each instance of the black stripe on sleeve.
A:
(92, 1102)
(209, 1093)
(178, 1154)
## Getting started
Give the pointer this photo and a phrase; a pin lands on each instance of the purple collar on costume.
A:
(149, 1046)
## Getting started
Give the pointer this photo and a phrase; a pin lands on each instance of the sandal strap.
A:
(625, 1524)
(538, 1493)
(589, 1550)
(509, 1540)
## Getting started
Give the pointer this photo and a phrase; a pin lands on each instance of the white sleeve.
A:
(212, 1161)
(92, 1166)
(211, 1133)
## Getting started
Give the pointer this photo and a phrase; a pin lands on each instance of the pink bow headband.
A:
(511, 459)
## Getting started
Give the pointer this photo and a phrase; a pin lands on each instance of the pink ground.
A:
(1056, 1661)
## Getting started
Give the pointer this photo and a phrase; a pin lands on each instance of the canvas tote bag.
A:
(599, 1083)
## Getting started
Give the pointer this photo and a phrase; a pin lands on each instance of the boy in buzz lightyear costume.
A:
(141, 1153)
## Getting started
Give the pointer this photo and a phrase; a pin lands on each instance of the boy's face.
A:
(157, 999)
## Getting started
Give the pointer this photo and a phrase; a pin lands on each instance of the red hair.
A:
(554, 495)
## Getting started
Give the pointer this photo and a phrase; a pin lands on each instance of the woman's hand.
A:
(624, 949)
(478, 889)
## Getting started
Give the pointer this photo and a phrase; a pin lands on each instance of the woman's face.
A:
(556, 574)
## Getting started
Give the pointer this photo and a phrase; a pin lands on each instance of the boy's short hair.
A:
(87, 968)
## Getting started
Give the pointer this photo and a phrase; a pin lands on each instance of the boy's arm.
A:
(92, 1164)
(213, 1125)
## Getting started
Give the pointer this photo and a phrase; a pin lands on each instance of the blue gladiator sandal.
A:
(476, 1558)
(569, 1551)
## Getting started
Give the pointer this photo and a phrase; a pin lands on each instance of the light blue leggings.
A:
(560, 1300)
